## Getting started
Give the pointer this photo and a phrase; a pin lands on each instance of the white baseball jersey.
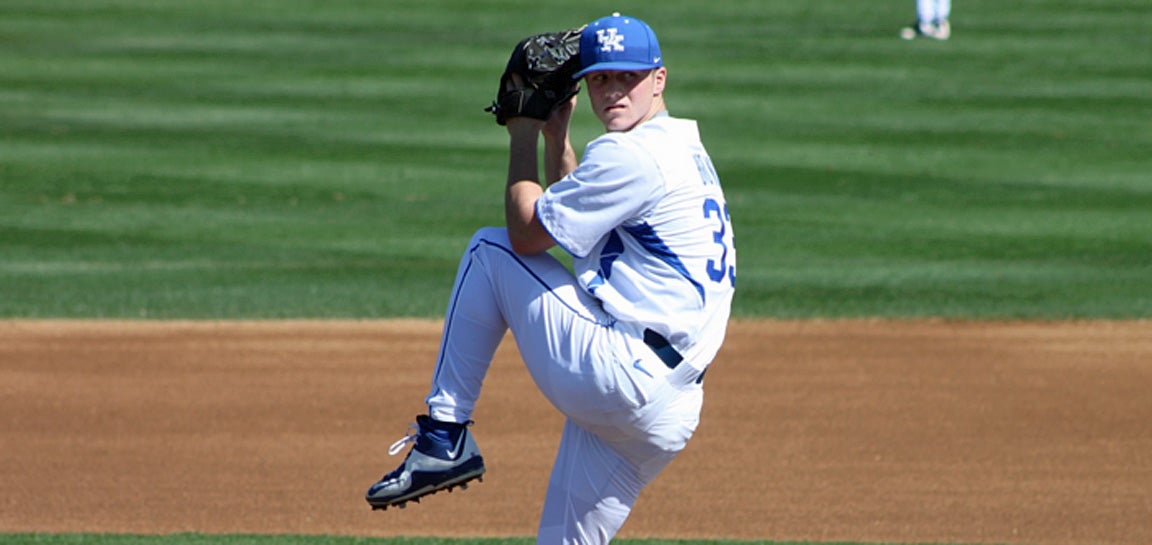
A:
(645, 218)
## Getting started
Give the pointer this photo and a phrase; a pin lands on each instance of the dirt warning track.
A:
(897, 431)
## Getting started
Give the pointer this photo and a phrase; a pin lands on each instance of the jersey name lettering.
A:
(707, 172)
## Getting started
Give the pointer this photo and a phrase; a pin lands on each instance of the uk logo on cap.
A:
(610, 39)
(618, 42)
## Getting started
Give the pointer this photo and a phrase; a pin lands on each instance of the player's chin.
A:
(617, 120)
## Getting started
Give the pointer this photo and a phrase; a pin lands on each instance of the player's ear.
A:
(661, 77)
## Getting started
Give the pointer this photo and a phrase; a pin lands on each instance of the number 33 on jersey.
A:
(718, 269)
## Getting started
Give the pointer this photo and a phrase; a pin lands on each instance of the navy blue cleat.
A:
(445, 456)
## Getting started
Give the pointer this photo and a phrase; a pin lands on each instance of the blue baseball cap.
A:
(618, 42)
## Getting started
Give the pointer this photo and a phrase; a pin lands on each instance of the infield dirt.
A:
(898, 431)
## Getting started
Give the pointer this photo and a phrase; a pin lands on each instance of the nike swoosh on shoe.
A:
(455, 452)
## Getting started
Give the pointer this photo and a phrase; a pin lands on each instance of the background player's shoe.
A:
(445, 456)
(940, 31)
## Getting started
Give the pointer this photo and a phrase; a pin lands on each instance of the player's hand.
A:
(524, 126)
(561, 118)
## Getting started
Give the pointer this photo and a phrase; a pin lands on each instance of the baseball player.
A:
(931, 20)
(621, 346)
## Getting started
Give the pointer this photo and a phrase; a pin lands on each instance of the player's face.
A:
(624, 98)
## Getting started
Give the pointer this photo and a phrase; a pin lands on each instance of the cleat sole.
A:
(402, 502)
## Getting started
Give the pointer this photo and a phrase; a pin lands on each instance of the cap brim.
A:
(619, 65)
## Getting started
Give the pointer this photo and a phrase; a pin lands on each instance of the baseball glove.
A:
(538, 77)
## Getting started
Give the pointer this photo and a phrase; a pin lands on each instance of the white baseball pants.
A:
(931, 11)
(627, 413)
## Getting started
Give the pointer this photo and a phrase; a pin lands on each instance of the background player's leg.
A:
(943, 26)
(926, 10)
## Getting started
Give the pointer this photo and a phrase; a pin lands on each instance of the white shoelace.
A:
(410, 437)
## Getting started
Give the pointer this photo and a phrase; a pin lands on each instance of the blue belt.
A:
(665, 351)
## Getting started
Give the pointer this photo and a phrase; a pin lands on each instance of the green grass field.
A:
(289, 158)
(217, 159)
